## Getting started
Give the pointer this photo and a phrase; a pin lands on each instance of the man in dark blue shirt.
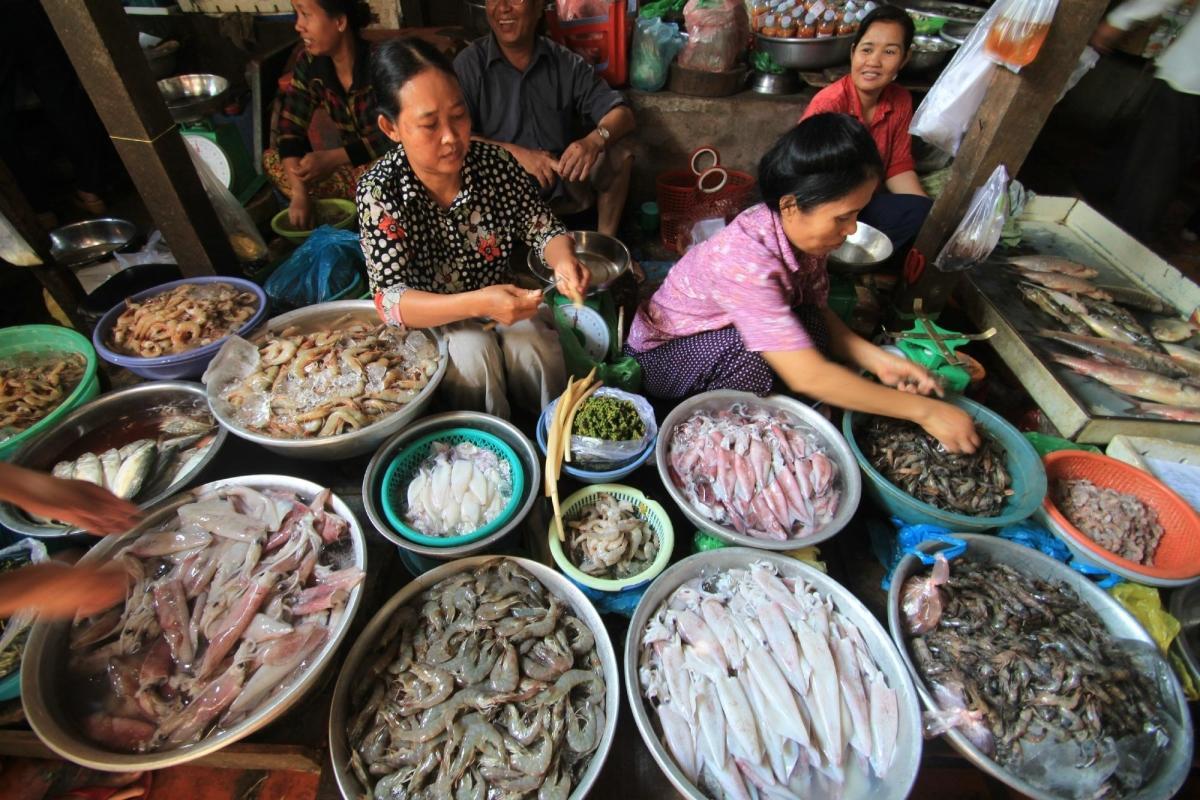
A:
(529, 94)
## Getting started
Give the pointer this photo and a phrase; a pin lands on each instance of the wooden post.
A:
(103, 48)
(59, 281)
(1014, 109)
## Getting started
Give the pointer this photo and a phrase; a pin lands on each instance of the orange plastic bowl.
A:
(1177, 559)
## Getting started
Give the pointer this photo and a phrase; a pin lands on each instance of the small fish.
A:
(1185, 356)
(183, 425)
(1172, 329)
(1065, 283)
(110, 460)
(1053, 264)
(1136, 298)
(134, 470)
(1038, 297)
(1129, 329)
(1169, 412)
(64, 470)
(88, 468)
(1136, 382)
(1118, 352)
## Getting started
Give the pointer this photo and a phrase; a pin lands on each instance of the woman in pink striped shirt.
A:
(748, 309)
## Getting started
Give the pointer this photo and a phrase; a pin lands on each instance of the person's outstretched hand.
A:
(78, 503)
(58, 591)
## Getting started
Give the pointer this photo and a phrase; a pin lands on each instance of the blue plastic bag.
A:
(655, 45)
(1040, 539)
(909, 539)
(328, 263)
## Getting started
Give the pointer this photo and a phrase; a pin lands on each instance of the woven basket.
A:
(400, 472)
(649, 511)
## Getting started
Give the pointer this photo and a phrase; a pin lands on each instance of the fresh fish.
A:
(110, 461)
(1169, 412)
(134, 469)
(1132, 330)
(1136, 298)
(64, 470)
(1186, 357)
(88, 468)
(184, 425)
(1136, 382)
(1172, 329)
(1121, 353)
(1035, 263)
(1064, 283)
(1040, 298)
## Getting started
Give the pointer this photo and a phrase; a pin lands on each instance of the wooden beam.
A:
(286, 757)
(1014, 109)
(59, 281)
(103, 47)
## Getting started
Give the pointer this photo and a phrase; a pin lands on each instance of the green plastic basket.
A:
(49, 338)
(399, 473)
(346, 208)
(650, 511)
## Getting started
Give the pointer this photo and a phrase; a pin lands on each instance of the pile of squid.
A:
(484, 686)
(34, 384)
(1029, 674)
(228, 602)
(762, 689)
(189, 316)
(331, 381)
(758, 471)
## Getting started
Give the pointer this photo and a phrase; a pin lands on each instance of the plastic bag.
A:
(328, 263)
(908, 541)
(243, 235)
(155, 252)
(598, 452)
(1017, 35)
(717, 33)
(581, 9)
(623, 372)
(953, 100)
(921, 600)
(661, 8)
(979, 232)
(1146, 605)
(655, 45)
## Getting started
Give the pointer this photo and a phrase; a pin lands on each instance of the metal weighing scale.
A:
(192, 100)
(933, 347)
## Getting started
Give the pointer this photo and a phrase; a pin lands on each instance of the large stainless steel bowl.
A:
(193, 97)
(1120, 623)
(935, 9)
(346, 445)
(899, 779)
(475, 420)
(862, 251)
(43, 452)
(44, 664)
(90, 240)
(339, 750)
(807, 54)
(849, 478)
(1185, 607)
(928, 53)
(605, 257)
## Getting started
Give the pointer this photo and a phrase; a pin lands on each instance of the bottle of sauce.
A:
(787, 29)
(808, 29)
(768, 28)
(828, 26)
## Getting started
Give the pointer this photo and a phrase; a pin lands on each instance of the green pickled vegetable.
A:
(609, 418)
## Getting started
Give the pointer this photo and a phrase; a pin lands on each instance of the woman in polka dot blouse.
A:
(438, 216)
(749, 307)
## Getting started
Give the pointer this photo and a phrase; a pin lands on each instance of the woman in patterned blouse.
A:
(439, 215)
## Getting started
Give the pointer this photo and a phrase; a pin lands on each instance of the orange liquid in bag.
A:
(1016, 42)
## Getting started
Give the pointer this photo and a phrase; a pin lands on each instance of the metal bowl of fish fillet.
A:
(372, 488)
(561, 758)
(740, 654)
(738, 483)
(1018, 624)
(298, 389)
(143, 444)
(241, 591)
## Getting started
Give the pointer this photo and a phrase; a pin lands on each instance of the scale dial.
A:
(213, 156)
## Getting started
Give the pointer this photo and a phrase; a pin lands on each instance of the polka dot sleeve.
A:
(536, 223)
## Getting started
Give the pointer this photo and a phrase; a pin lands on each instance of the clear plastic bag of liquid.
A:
(1018, 34)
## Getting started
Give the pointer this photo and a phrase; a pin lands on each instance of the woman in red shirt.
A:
(869, 93)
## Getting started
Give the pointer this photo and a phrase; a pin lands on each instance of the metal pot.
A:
(42, 453)
(807, 54)
(346, 445)
(928, 53)
(44, 664)
(190, 98)
(559, 586)
(509, 433)
(770, 83)
(849, 476)
(1120, 623)
(862, 251)
(903, 772)
(90, 240)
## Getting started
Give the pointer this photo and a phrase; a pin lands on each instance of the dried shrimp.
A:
(33, 385)
(186, 317)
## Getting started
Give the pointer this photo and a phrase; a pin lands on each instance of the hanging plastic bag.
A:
(155, 252)
(1017, 35)
(717, 33)
(655, 45)
(244, 238)
(328, 263)
(581, 9)
(979, 232)
(953, 100)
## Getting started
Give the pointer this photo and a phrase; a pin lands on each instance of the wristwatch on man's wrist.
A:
(604, 133)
